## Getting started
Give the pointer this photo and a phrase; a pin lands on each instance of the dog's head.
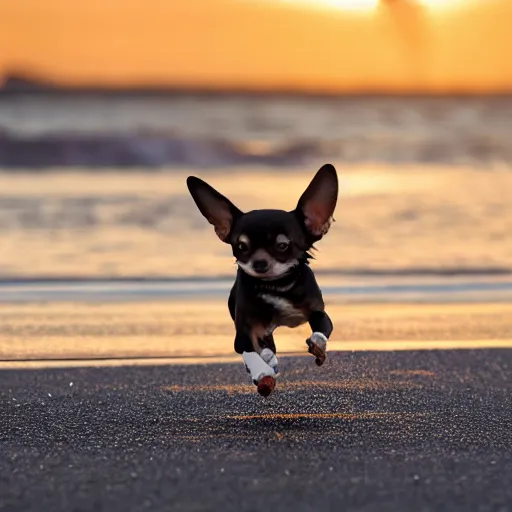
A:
(267, 244)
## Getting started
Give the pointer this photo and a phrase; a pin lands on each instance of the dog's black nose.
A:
(260, 266)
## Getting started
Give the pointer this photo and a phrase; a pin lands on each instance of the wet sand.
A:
(160, 332)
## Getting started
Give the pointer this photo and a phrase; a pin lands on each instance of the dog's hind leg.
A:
(268, 352)
(268, 342)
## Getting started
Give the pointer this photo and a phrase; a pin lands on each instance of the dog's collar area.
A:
(281, 285)
(273, 287)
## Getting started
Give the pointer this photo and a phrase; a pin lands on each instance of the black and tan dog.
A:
(275, 285)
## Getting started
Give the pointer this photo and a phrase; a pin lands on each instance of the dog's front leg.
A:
(262, 374)
(322, 327)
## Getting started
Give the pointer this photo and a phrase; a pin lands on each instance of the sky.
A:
(305, 45)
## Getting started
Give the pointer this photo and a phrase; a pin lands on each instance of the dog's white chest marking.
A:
(287, 313)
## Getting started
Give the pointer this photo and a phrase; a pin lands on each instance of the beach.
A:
(120, 388)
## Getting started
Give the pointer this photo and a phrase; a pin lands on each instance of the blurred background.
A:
(106, 107)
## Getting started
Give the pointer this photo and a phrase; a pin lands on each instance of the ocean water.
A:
(69, 223)
(93, 186)
(211, 131)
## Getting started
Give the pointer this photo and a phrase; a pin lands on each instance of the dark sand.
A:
(397, 431)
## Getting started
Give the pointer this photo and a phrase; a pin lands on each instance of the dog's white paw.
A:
(317, 345)
(257, 367)
(319, 340)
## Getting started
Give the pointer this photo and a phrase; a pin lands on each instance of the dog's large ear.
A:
(217, 209)
(316, 205)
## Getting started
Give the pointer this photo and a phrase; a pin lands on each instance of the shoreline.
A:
(335, 287)
(361, 347)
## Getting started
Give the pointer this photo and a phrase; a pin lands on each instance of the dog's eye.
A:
(242, 246)
(282, 243)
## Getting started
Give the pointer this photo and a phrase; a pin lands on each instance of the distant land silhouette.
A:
(23, 83)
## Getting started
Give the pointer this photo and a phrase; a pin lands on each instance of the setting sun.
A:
(302, 45)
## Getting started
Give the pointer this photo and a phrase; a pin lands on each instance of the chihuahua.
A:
(274, 285)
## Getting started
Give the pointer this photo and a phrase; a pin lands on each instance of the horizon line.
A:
(12, 84)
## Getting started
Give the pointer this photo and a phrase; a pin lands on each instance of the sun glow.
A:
(372, 5)
(352, 5)
(345, 5)
(444, 4)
